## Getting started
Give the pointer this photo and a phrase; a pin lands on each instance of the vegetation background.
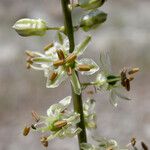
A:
(125, 34)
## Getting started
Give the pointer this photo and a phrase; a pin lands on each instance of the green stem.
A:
(77, 99)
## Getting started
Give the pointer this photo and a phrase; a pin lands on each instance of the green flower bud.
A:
(30, 27)
(91, 4)
(93, 19)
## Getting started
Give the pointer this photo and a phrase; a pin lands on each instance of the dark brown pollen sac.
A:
(60, 54)
(144, 146)
(53, 76)
(26, 131)
(44, 141)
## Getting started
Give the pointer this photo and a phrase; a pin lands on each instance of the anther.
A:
(133, 141)
(47, 47)
(60, 124)
(127, 84)
(144, 146)
(84, 67)
(33, 126)
(44, 141)
(35, 116)
(53, 76)
(133, 71)
(30, 54)
(71, 58)
(26, 131)
(58, 63)
(60, 54)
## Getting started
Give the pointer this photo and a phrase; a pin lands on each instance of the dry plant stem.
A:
(77, 99)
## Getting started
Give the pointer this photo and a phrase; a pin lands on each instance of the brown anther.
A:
(71, 58)
(30, 54)
(28, 66)
(131, 78)
(60, 54)
(26, 131)
(33, 126)
(58, 63)
(60, 124)
(144, 146)
(133, 141)
(84, 67)
(53, 76)
(69, 71)
(48, 46)
(133, 71)
(127, 84)
(29, 60)
(44, 141)
(35, 116)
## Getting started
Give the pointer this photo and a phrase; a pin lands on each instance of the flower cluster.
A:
(58, 64)
(113, 83)
(59, 122)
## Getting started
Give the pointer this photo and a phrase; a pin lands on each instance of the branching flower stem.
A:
(77, 99)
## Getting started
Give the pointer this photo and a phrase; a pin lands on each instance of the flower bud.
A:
(93, 19)
(30, 27)
(91, 4)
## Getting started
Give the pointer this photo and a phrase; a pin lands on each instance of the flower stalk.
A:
(77, 99)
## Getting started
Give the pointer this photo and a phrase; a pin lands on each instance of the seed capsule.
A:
(30, 27)
(84, 67)
(58, 63)
(71, 58)
(26, 131)
(60, 124)
(44, 141)
(92, 19)
(91, 4)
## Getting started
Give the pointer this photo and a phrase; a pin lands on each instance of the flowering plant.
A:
(60, 61)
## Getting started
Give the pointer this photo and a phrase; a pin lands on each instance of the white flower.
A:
(57, 63)
(59, 122)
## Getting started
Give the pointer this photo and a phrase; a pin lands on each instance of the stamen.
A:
(29, 53)
(35, 116)
(84, 67)
(133, 71)
(33, 127)
(131, 78)
(28, 66)
(71, 58)
(26, 131)
(133, 141)
(60, 54)
(69, 71)
(60, 124)
(58, 63)
(47, 47)
(144, 146)
(127, 84)
(44, 141)
(53, 76)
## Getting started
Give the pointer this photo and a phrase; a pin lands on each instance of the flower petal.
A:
(75, 83)
(91, 63)
(113, 98)
(79, 50)
(66, 101)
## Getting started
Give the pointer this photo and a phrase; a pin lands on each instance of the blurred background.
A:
(126, 34)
